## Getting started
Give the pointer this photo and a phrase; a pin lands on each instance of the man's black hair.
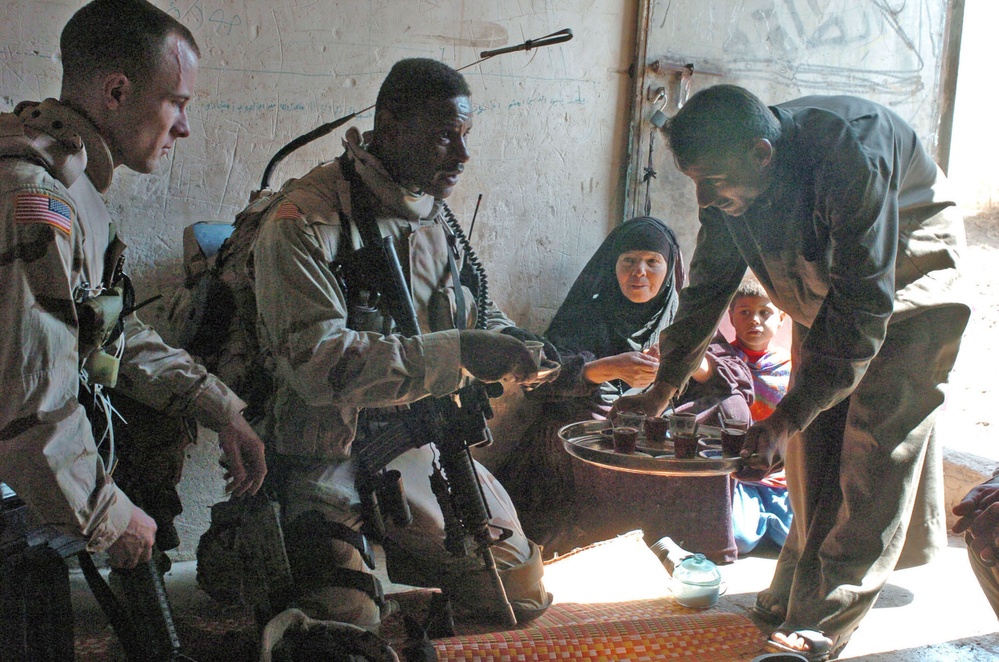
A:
(118, 35)
(719, 121)
(412, 82)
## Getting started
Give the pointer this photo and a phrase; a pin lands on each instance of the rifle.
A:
(144, 624)
(453, 423)
(145, 628)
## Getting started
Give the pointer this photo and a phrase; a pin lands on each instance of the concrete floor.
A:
(934, 613)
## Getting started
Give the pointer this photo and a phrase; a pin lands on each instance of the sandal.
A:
(820, 646)
(768, 608)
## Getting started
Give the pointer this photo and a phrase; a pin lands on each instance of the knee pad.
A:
(324, 554)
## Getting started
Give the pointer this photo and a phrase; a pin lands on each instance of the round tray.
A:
(587, 441)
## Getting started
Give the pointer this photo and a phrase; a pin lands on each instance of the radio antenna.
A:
(320, 131)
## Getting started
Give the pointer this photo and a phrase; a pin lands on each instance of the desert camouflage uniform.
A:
(55, 232)
(326, 373)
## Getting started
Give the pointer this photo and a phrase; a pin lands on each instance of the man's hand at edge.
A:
(651, 403)
(979, 513)
(764, 447)
(243, 457)
(135, 544)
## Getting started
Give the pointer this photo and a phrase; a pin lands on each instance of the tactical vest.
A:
(216, 312)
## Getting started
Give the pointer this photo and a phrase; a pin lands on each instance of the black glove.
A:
(551, 354)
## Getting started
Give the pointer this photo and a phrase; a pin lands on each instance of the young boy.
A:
(756, 321)
(760, 509)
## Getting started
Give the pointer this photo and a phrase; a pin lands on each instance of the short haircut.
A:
(749, 287)
(412, 82)
(129, 36)
(717, 122)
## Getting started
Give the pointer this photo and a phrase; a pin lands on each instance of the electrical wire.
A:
(472, 267)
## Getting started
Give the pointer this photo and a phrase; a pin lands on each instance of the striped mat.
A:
(656, 629)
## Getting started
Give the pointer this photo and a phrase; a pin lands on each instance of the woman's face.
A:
(640, 274)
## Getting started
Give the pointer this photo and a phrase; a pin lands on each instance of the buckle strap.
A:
(314, 524)
(324, 577)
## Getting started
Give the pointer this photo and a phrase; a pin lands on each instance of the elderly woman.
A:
(607, 333)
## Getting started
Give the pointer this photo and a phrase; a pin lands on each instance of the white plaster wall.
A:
(548, 143)
(889, 52)
(973, 166)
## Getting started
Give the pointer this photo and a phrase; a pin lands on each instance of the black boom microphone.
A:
(320, 131)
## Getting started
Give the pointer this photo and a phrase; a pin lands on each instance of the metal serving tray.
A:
(588, 442)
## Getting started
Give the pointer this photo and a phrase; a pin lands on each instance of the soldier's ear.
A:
(386, 126)
(115, 88)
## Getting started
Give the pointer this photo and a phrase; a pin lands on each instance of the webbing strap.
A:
(314, 524)
(324, 576)
(363, 213)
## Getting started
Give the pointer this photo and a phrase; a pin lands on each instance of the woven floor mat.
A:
(657, 629)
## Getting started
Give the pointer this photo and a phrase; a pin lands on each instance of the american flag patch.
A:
(286, 211)
(43, 208)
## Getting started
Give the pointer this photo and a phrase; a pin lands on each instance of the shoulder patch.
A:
(43, 208)
(286, 211)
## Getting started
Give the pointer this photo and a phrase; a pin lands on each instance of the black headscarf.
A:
(596, 317)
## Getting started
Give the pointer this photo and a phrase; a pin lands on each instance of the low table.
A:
(689, 500)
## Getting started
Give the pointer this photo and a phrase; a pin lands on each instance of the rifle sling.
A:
(362, 213)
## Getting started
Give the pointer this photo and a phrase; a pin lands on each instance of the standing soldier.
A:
(129, 72)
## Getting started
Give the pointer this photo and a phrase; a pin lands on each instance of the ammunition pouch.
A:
(247, 557)
(362, 279)
(242, 557)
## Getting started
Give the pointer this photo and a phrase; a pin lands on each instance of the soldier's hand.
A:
(243, 457)
(491, 356)
(135, 544)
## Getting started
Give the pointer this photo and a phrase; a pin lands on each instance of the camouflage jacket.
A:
(54, 233)
(326, 372)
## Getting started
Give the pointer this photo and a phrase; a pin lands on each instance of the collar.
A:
(76, 135)
(400, 201)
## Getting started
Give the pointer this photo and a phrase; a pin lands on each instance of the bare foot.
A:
(804, 641)
(770, 606)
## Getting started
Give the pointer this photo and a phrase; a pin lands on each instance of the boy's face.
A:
(756, 321)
